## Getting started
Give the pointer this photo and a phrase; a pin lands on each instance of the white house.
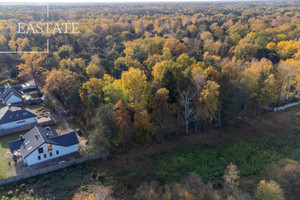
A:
(40, 144)
(14, 117)
(10, 94)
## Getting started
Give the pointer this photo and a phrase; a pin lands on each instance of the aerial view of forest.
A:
(188, 100)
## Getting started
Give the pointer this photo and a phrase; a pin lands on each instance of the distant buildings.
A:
(11, 94)
(40, 144)
(14, 117)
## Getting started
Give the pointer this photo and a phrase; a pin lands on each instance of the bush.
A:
(10, 193)
(149, 191)
(289, 178)
(48, 102)
(269, 191)
(191, 187)
(10, 81)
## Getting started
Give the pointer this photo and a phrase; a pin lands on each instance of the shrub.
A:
(10, 193)
(289, 178)
(231, 174)
(149, 191)
(230, 192)
(10, 81)
(269, 191)
(192, 187)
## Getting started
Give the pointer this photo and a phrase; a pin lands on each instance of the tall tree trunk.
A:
(245, 105)
(196, 126)
(219, 114)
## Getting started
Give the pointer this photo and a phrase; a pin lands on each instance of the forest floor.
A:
(125, 172)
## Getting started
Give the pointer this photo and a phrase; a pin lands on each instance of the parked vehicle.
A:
(78, 131)
(65, 113)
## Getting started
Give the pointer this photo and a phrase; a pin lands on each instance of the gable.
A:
(10, 91)
(14, 114)
(38, 136)
(11, 96)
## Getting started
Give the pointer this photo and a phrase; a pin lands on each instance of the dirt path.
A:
(58, 115)
(59, 109)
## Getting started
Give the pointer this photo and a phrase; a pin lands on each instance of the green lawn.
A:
(5, 155)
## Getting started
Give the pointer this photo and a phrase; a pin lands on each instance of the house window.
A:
(57, 152)
(45, 156)
(39, 157)
(41, 150)
(50, 154)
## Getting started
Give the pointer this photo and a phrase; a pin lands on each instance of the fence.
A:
(282, 107)
(52, 168)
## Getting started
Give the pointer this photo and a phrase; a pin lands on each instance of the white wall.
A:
(15, 124)
(33, 157)
(13, 99)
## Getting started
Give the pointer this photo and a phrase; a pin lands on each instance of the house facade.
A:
(43, 153)
(11, 94)
(14, 117)
(40, 144)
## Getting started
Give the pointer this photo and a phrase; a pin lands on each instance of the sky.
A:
(101, 1)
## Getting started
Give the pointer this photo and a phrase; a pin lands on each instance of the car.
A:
(72, 131)
(78, 131)
(65, 113)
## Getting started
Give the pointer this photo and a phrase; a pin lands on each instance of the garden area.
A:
(5, 169)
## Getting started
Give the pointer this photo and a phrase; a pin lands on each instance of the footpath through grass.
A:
(251, 157)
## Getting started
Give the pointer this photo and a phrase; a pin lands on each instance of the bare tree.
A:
(188, 111)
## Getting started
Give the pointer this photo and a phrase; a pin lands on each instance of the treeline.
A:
(131, 77)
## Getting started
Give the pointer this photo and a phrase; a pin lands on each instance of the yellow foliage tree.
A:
(92, 70)
(135, 82)
(94, 85)
(32, 68)
(60, 82)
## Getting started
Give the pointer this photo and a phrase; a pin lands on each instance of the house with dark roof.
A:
(41, 144)
(11, 94)
(14, 117)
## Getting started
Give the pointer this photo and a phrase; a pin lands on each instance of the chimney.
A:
(47, 135)
(21, 137)
(36, 136)
(9, 106)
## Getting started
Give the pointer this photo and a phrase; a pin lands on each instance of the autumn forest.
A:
(138, 74)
